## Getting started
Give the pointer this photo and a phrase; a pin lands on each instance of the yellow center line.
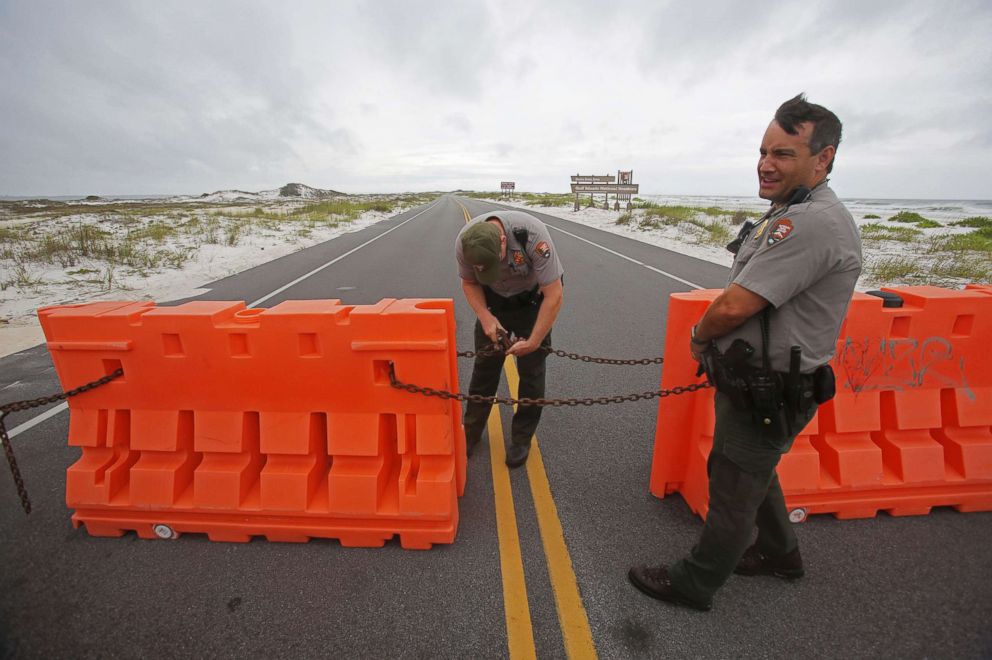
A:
(572, 616)
(519, 630)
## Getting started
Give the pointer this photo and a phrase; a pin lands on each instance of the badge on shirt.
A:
(779, 231)
(518, 257)
(543, 249)
(760, 229)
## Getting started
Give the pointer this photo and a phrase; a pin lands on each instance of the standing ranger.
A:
(765, 343)
(511, 277)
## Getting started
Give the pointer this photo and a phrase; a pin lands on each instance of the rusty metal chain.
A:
(494, 350)
(600, 360)
(18, 406)
(554, 403)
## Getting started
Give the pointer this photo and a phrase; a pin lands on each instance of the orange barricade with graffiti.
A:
(277, 422)
(909, 429)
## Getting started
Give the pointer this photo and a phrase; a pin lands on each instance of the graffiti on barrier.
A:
(899, 364)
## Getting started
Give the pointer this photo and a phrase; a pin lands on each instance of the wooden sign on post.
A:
(594, 184)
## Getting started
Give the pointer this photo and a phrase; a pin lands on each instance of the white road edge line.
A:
(337, 259)
(630, 259)
(34, 421)
(51, 412)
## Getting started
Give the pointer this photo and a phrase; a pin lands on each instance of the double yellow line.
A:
(572, 617)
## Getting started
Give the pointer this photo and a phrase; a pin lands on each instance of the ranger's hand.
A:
(491, 326)
(523, 347)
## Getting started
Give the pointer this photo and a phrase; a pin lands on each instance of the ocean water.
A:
(940, 210)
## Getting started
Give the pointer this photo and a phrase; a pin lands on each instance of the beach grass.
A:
(979, 240)
(874, 231)
(548, 199)
(108, 242)
(910, 217)
(959, 268)
(979, 221)
(889, 269)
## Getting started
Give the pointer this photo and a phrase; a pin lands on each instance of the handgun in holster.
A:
(726, 371)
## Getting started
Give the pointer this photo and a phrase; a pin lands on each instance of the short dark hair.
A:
(826, 126)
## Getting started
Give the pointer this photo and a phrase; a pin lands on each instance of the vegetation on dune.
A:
(937, 259)
(979, 221)
(103, 242)
(874, 231)
(910, 217)
(548, 199)
(979, 240)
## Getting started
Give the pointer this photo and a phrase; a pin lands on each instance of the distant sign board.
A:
(507, 185)
(604, 185)
(579, 178)
(612, 188)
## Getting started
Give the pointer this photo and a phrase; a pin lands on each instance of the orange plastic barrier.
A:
(909, 429)
(278, 422)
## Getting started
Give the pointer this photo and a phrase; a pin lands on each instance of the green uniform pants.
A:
(486, 372)
(744, 491)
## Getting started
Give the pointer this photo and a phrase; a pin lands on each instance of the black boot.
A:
(788, 567)
(655, 582)
(516, 455)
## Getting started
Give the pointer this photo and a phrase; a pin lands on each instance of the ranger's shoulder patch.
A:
(543, 249)
(779, 231)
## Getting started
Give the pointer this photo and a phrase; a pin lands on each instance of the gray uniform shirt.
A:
(805, 260)
(524, 265)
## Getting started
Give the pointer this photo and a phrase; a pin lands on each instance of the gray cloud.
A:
(117, 97)
(446, 47)
(114, 96)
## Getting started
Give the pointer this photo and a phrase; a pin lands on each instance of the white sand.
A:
(683, 238)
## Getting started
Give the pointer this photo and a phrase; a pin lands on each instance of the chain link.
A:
(554, 403)
(494, 350)
(18, 406)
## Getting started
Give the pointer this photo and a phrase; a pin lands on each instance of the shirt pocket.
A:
(748, 248)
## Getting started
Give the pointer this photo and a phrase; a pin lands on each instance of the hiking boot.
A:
(516, 455)
(655, 582)
(754, 562)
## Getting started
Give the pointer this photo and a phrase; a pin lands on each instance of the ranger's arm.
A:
(730, 310)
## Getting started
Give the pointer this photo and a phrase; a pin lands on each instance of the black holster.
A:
(757, 390)
(824, 384)
(775, 399)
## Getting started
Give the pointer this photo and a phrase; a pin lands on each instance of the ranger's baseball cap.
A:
(481, 247)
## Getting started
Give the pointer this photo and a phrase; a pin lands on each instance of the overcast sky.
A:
(388, 96)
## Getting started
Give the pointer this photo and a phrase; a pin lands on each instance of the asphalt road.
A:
(881, 587)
